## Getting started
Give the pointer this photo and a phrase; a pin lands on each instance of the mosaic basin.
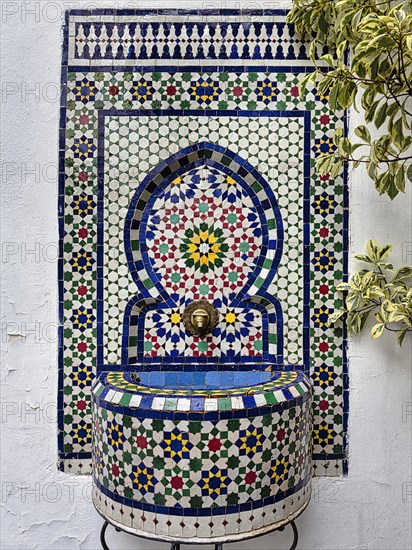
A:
(201, 456)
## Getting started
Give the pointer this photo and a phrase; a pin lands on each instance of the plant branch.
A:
(379, 34)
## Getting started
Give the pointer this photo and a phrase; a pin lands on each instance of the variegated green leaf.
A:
(402, 273)
(377, 330)
(379, 35)
(401, 335)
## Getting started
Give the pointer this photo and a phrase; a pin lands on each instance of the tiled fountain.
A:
(198, 373)
(215, 446)
(202, 458)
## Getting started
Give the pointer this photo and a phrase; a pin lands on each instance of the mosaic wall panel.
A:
(279, 158)
(135, 96)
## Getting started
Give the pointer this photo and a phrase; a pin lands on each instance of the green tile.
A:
(224, 403)
(170, 404)
(125, 400)
(270, 398)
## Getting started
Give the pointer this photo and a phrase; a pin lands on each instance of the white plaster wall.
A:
(45, 509)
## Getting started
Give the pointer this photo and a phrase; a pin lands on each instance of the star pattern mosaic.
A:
(281, 163)
(133, 146)
(192, 464)
(203, 232)
(240, 333)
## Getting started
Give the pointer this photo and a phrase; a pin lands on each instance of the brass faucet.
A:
(200, 318)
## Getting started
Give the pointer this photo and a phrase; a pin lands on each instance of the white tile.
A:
(110, 394)
(210, 404)
(135, 400)
(260, 399)
(116, 397)
(158, 403)
(237, 402)
(183, 404)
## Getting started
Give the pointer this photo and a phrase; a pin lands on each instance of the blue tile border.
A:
(261, 387)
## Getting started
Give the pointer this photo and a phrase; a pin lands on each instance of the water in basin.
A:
(203, 380)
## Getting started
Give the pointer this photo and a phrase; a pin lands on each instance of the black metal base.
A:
(177, 545)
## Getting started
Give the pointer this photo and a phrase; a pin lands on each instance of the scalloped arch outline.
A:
(253, 295)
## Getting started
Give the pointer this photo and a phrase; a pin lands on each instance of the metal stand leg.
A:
(295, 535)
(175, 546)
(102, 536)
(219, 546)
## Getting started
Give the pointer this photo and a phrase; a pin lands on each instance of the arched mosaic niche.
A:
(203, 224)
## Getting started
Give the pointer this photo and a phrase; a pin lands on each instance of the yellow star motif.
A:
(280, 469)
(230, 317)
(85, 90)
(323, 434)
(82, 375)
(81, 433)
(209, 242)
(115, 436)
(204, 247)
(250, 441)
(324, 146)
(176, 445)
(205, 90)
(218, 476)
(214, 482)
(175, 318)
(142, 479)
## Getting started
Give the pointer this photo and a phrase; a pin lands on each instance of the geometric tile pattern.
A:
(203, 236)
(203, 463)
(209, 527)
(102, 39)
(240, 333)
(203, 239)
(213, 90)
(224, 240)
(279, 158)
